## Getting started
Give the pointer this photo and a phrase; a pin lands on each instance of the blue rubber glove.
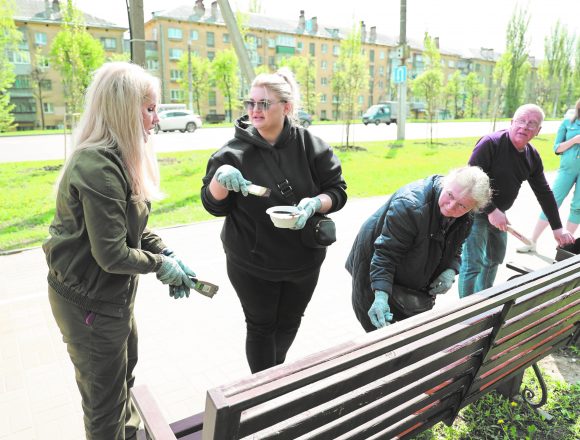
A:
(307, 206)
(380, 312)
(171, 273)
(443, 282)
(231, 178)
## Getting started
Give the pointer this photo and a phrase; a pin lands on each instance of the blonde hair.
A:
(473, 180)
(284, 86)
(113, 118)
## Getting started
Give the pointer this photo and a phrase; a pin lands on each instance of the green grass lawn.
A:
(27, 197)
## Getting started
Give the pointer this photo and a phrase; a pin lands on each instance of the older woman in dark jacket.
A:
(414, 241)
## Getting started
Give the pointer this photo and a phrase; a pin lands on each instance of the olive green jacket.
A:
(98, 239)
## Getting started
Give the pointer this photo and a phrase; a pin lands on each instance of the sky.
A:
(459, 24)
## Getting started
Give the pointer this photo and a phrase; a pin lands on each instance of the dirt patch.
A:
(344, 148)
(563, 365)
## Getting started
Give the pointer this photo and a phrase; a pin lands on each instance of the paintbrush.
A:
(259, 191)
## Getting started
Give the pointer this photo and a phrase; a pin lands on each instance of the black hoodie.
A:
(250, 239)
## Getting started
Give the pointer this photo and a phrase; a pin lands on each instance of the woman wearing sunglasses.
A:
(272, 272)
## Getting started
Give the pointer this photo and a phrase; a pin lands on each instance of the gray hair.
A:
(473, 180)
(526, 108)
(284, 86)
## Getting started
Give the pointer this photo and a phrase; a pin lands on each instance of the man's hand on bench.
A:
(380, 312)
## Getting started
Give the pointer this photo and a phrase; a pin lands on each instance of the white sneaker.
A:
(527, 248)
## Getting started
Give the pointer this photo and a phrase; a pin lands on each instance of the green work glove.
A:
(443, 282)
(380, 312)
(169, 253)
(171, 273)
(232, 179)
(179, 291)
(307, 206)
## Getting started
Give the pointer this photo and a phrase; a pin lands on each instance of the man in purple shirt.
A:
(508, 159)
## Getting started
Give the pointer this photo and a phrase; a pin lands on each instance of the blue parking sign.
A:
(400, 74)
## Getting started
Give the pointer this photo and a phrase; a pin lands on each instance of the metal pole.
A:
(402, 117)
(237, 40)
(189, 76)
(137, 32)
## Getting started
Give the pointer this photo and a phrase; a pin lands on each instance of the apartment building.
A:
(170, 34)
(174, 32)
(39, 21)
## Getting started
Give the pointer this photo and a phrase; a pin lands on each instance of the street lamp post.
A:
(189, 76)
(402, 117)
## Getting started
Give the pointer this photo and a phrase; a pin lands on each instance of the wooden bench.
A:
(398, 381)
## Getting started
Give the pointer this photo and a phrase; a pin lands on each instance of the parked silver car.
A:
(182, 120)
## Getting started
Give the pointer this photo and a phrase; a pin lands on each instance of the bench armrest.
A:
(156, 426)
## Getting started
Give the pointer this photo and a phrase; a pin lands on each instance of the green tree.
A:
(473, 91)
(453, 91)
(9, 39)
(576, 76)
(200, 72)
(39, 78)
(557, 67)
(353, 78)
(304, 69)
(75, 54)
(501, 74)
(225, 74)
(518, 47)
(429, 84)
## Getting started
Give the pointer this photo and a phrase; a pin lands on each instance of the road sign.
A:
(400, 74)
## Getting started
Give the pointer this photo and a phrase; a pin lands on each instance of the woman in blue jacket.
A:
(567, 145)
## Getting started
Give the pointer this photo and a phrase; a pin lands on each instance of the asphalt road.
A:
(49, 147)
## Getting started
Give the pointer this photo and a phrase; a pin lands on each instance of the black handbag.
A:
(319, 230)
(411, 302)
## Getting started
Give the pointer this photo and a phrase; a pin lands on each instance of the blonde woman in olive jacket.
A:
(99, 244)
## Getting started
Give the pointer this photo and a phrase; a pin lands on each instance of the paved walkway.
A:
(186, 346)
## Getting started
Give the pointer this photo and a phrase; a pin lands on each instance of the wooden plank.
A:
(156, 426)
(190, 425)
(220, 421)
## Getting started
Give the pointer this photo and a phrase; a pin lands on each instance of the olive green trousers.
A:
(103, 351)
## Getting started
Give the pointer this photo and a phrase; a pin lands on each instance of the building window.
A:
(210, 55)
(323, 115)
(361, 99)
(371, 71)
(335, 67)
(174, 34)
(152, 64)
(271, 43)
(48, 107)
(211, 98)
(43, 62)
(381, 70)
(323, 64)
(335, 99)
(286, 41)
(175, 74)
(336, 50)
(299, 46)
(323, 81)
(226, 38)
(323, 98)
(46, 84)
(176, 94)
(372, 55)
(312, 49)
(19, 57)
(193, 35)
(154, 34)
(40, 38)
(451, 63)
(259, 41)
(24, 106)
(324, 48)
(271, 61)
(22, 82)
(210, 39)
(109, 43)
(175, 54)
(382, 55)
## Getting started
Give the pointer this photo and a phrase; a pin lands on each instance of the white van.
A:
(165, 107)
